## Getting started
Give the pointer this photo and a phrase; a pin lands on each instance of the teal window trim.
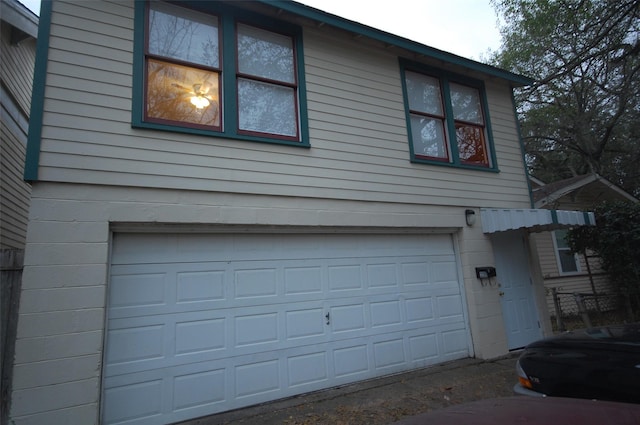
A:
(445, 79)
(34, 139)
(229, 16)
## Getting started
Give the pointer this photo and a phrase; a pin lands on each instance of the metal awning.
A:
(534, 220)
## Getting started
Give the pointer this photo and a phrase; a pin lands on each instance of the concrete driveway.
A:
(385, 400)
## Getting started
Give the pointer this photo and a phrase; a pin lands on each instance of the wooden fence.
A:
(11, 263)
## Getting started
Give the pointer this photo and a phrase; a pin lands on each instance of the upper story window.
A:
(182, 68)
(567, 260)
(219, 71)
(447, 122)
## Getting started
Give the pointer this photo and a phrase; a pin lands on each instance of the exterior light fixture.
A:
(470, 217)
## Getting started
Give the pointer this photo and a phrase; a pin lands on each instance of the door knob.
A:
(501, 293)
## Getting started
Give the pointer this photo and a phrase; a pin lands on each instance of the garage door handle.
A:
(328, 318)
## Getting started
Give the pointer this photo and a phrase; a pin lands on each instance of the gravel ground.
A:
(385, 400)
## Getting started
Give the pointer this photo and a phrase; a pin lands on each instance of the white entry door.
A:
(200, 324)
(516, 287)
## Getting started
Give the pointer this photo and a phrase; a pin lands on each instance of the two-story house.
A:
(235, 202)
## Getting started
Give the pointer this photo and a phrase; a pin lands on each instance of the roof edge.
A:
(20, 17)
(587, 179)
(395, 40)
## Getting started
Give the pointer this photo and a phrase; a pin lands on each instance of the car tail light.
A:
(522, 377)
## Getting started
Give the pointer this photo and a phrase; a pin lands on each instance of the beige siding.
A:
(579, 282)
(16, 67)
(14, 197)
(356, 119)
(16, 72)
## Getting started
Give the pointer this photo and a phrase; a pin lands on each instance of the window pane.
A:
(561, 238)
(265, 54)
(183, 34)
(567, 261)
(466, 104)
(428, 137)
(471, 146)
(424, 94)
(267, 108)
(173, 89)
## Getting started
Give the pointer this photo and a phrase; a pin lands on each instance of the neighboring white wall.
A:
(61, 324)
(356, 117)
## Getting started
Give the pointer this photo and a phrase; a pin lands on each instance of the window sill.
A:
(220, 135)
(454, 165)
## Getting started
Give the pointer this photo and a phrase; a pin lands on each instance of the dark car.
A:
(599, 363)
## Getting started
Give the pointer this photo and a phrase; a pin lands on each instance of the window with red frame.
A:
(182, 67)
(446, 119)
(219, 70)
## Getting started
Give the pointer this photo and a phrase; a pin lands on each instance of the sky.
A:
(466, 28)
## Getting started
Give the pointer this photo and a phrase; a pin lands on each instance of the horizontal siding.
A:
(16, 72)
(549, 262)
(356, 118)
(14, 196)
(16, 68)
(568, 284)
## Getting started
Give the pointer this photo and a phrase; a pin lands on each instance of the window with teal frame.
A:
(212, 69)
(447, 118)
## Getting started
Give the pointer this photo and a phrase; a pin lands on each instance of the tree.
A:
(616, 240)
(583, 112)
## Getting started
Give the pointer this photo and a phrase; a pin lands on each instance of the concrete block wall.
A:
(61, 324)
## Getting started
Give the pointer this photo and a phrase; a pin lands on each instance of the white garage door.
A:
(199, 324)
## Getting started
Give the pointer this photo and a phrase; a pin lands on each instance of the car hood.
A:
(625, 336)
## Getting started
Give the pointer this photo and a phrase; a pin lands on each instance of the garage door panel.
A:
(444, 271)
(136, 344)
(386, 313)
(302, 280)
(139, 400)
(138, 290)
(217, 322)
(306, 369)
(257, 378)
(255, 282)
(305, 323)
(415, 273)
(382, 276)
(449, 307)
(454, 343)
(200, 286)
(423, 348)
(389, 354)
(350, 362)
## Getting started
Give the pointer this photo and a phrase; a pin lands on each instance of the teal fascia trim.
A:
(34, 139)
(394, 40)
(554, 216)
(137, 94)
